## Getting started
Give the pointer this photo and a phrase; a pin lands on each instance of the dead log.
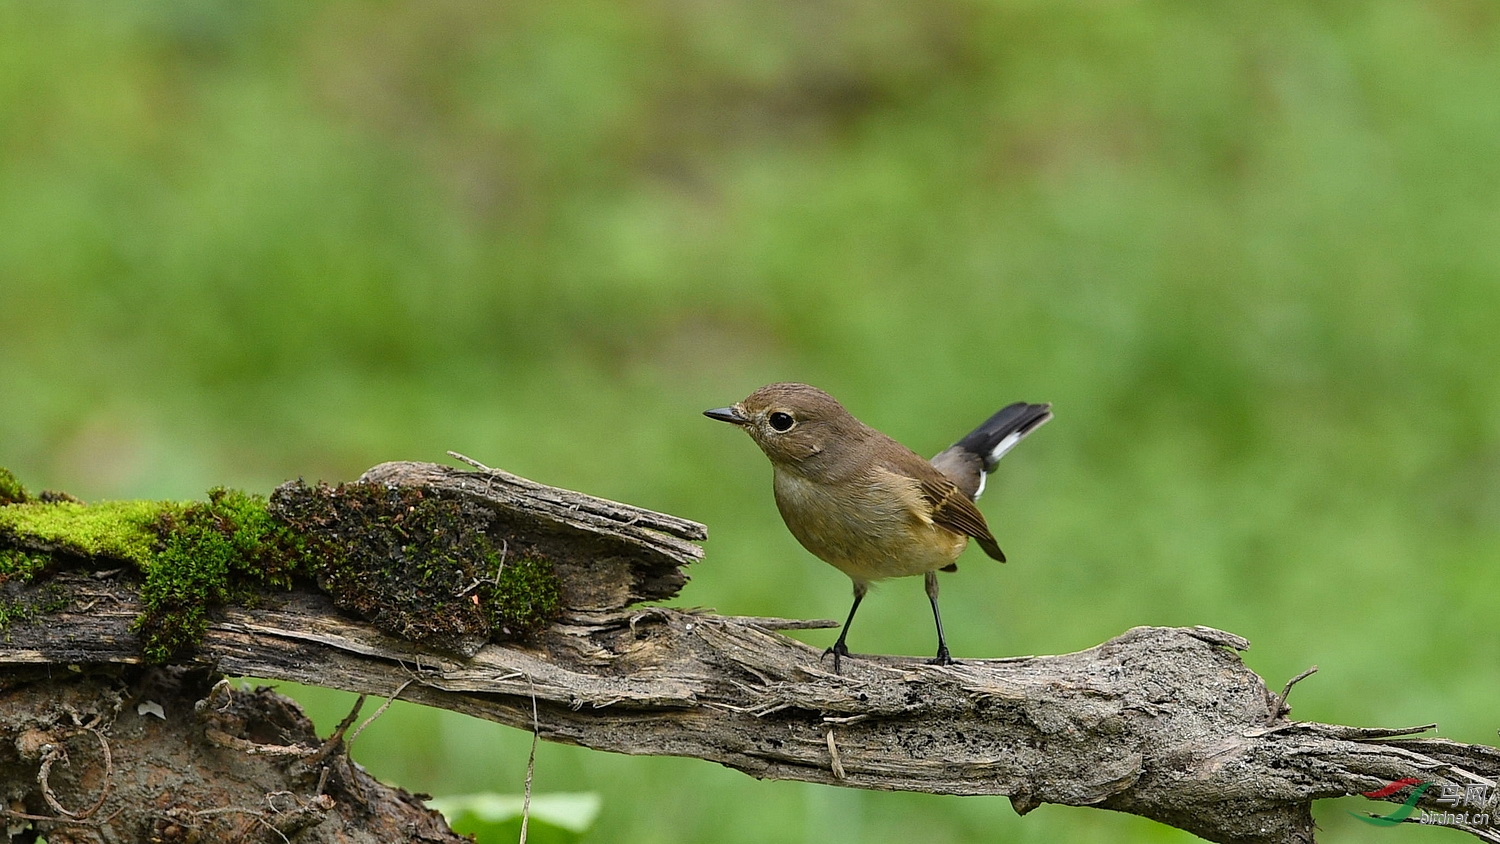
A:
(1166, 723)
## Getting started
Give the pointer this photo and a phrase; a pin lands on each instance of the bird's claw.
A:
(839, 650)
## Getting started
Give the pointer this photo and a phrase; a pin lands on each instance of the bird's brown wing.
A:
(953, 510)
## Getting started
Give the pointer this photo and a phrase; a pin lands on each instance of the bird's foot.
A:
(839, 650)
(942, 657)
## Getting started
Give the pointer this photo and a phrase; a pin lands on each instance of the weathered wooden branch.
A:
(1166, 723)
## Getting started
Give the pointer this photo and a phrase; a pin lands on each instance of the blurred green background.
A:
(1250, 251)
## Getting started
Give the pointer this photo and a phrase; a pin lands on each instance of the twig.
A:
(1279, 707)
(379, 712)
(493, 581)
(56, 752)
(471, 461)
(337, 738)
(255, 814)
(222, 739)
(536, 732)
(62, 821)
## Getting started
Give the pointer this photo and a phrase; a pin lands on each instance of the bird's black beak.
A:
(726, 414)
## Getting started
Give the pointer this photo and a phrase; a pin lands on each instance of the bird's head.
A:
(792, 423)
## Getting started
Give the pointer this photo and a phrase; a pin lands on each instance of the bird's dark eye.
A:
(781, 421)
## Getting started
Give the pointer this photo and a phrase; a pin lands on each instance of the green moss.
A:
(211, 554)
(421, 565)
(418, 564)
(525, 597)
(11, 491)
(20, 565)
(120, 530)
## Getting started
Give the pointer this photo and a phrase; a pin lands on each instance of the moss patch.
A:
(524, 598)
(417, 564)
(209, 554)
(420, 565)
(11, 491)
(118, 530)
(20, 565)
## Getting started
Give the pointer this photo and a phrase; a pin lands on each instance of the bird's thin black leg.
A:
(942, 657)
(840, 649)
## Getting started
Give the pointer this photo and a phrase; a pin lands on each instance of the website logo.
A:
(1475, 796)
(1404, 812)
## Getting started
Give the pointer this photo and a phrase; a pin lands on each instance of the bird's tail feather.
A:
(1000, 433)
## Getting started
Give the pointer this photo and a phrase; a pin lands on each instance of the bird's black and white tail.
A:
(1001, 432)
(970, 459)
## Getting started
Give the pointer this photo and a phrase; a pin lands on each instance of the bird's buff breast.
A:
(869, 531)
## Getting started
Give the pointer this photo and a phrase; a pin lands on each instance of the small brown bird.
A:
(868, 505)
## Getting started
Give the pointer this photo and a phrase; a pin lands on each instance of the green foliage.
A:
(496, 818)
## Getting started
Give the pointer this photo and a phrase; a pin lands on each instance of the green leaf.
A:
(496, 818)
